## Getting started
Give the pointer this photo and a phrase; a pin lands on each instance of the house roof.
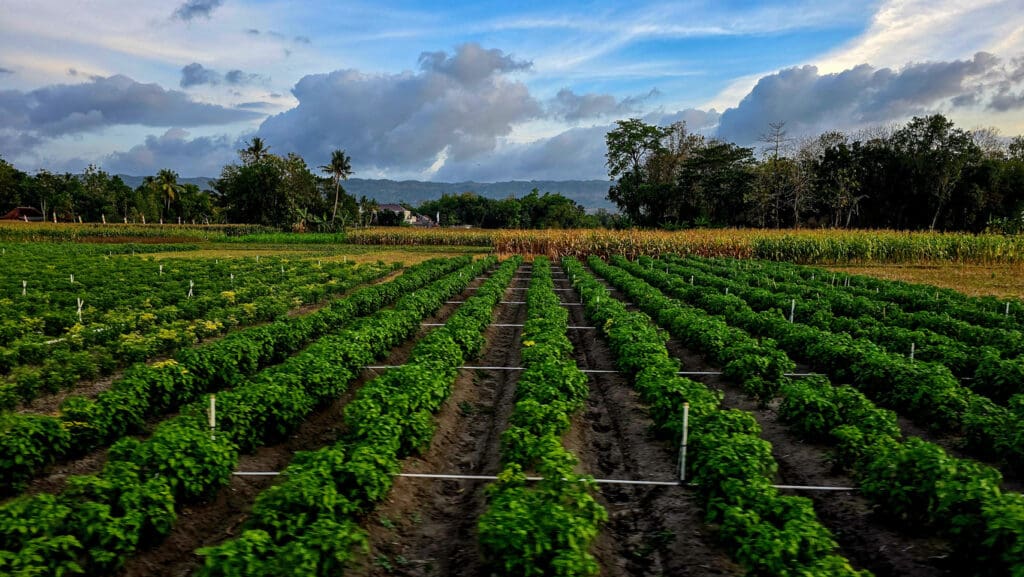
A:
(393, 207)
(21, 212)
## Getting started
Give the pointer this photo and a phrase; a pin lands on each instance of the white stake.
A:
(912, 346)
(103, 217)
(682, 444)
(190, 285)
(257, 258)
(213, 416)
(24, 285)
(80, 303)
(161, 270)
(72, 278)
(792, 310)
(726, 290)
(1007, 308)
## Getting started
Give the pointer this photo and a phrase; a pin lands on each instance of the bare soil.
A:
(652, 530)
(428, 527)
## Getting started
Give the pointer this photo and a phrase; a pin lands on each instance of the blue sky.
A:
(479, 90)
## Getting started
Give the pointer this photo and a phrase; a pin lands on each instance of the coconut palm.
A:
(166, 183)
(256, 151)
(340, 168)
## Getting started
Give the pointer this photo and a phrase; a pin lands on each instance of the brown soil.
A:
(222, 518)
(866, 541)
(652, 530)
(428, 527)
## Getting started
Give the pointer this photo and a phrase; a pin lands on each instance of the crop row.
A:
(925, 391)
(544, 528)
(308, 524)
(30, 442)
(804, 246)
(80, 354)
(99, 520)
(989, 374)
(983, 311)
(911, 482)
(732, 467)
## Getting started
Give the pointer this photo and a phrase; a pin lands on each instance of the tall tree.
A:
(255, 152)
(166, 183)
(935, 152)
(340, 168)
(629, 147)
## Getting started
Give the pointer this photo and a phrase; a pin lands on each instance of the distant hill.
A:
(591, 194)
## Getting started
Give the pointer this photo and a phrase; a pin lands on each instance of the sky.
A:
(485, 91)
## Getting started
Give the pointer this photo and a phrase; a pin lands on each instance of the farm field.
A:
(341, 367)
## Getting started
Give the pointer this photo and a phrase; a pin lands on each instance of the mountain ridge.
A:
(590, 194)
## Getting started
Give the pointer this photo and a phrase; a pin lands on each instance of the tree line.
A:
(925, 174)
(268, 189)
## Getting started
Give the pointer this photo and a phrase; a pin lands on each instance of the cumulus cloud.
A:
(202, 156)
(577, 153)
(810, 102)
(196, 74)
(572, 107)
(63, 109)
(471, 63)
(460, 104)
(196, 9)
(697, 120)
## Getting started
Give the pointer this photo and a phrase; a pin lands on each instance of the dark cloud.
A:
(572, 107)
(462, 104)
(238, 77)
(303, 40)
(252, 31)
(471, 64)
(809, 102)
(4, 71)
(202, 156)
(62, 109)
(196, 8)
(196, 74)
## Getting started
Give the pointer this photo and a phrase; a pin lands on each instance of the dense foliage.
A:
(926, 174)
(909, 481)
(307, 524)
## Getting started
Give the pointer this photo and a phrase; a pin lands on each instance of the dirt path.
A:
(222, 518)
(428, 527)
(651, 530)
(866, 541)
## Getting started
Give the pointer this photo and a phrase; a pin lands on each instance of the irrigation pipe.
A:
(599, 371)
(598, 481)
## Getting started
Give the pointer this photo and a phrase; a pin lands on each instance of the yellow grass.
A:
(1003, 280)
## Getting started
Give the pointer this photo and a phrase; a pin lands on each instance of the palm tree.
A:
(256, 151)
(340, 169)
(167, 185)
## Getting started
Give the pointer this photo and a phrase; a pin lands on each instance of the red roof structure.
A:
(23, 212)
